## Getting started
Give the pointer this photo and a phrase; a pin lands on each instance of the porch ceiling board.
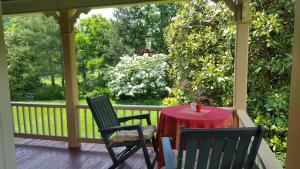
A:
(30, 6)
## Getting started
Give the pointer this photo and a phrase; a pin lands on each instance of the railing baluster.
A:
(85, 123)
(141, 122)
(30, 119)
(36, 121)
(132, 113)
(18, 117)
(124, 114)
(55, 126)
(61, 121)
(13, 120)
(93, 126)
(43, 120)
(24, 120)
(49, 129)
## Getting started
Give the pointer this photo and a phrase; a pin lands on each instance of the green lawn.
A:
(52, 121)
(156, 102)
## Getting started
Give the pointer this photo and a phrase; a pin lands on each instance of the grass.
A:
(53, 121)
(156, 102)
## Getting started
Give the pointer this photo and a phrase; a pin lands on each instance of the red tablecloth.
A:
(174, 117)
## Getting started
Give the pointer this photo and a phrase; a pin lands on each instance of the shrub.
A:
(97, 92)
(169, 101)
(201, 52)
(49, 93)
(139, 77)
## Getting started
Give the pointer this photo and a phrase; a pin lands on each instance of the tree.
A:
(201, 48)
(269, 69)
(33, 50)
(139, 77)
(133, 23)
(196, 35)
(91, 40)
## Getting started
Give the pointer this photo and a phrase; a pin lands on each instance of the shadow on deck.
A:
(43, 154)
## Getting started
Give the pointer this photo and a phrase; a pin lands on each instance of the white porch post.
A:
(70, 70)
(241, 56)
(7, 148)
(294, 107)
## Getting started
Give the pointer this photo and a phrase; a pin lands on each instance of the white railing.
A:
(39, 120)
(89, 130)
(49, 121)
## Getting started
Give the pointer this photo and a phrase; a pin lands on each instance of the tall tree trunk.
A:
(62, 72)
(84, 71)
(62, 79)
(52, 74)
(52, 78)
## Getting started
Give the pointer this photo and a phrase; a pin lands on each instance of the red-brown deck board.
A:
(43, 154)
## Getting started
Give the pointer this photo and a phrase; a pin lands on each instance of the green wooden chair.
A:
(130, 137)
(234, 148)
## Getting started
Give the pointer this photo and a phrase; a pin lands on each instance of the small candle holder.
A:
(193, 106)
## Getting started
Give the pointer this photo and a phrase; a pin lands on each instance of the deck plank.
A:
(43, 154)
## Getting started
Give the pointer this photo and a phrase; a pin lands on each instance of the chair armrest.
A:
(255, 166)
(140, 116)
(127, 127)
(168, 154)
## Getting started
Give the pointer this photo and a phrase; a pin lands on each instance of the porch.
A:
(40, 131)
(38, 124)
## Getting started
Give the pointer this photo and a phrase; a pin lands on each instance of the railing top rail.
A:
(265, 154)
(38, 104)
(130, 107)
(118, 107)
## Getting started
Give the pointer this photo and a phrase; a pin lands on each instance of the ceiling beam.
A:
(10, 7)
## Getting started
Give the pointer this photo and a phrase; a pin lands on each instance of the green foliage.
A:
(49, 93)
(169, 101)
(98, 47)
(90, 42)
(98, 91)
(133, 23)
(33, 51)
(139, 77)
(200, 42)
(201, 45)
(269, 69)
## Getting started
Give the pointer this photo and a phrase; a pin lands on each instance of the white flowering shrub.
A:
(139, 76)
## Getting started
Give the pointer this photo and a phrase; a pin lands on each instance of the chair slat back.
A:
(103, 111)
(234, 148)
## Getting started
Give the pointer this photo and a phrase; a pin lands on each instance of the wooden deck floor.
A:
(42, 154)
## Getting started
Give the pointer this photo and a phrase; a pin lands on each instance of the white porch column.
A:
(294, 107)
(70, 70)
(241, 56)
(7, 147)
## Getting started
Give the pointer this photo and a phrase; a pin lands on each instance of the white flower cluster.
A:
(139, 75)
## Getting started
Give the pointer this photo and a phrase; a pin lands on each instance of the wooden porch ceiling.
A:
(30, 6)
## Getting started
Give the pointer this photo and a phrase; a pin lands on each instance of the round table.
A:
(174, 117)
